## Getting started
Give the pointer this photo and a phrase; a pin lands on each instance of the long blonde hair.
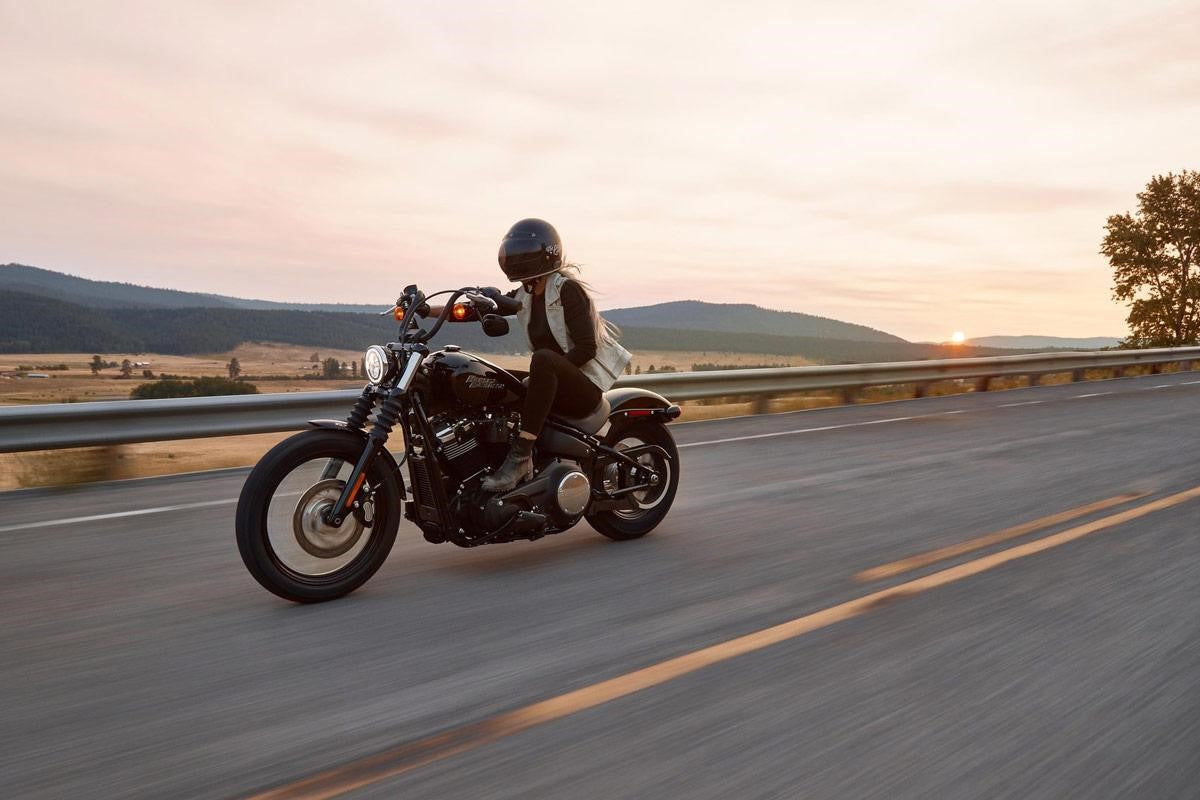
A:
(605, 331)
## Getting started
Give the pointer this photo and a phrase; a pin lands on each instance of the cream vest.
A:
(610, 359)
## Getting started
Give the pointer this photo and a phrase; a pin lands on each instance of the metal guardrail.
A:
(47, 427)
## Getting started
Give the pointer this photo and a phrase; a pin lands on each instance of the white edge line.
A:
(1026, 403)
(803, 430)
(117, 514)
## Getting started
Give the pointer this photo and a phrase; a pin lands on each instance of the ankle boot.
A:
(517, 466)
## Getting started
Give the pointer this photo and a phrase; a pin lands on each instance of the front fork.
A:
(385, 419)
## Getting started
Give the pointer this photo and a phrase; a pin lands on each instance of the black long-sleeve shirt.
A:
(577, 313)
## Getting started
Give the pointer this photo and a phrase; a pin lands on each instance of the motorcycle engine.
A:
(557, 495)
(468, 446)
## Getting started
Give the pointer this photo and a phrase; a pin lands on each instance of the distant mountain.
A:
(33, 324)
(29, 323)
(110, 294)
(45, 312)
(1035, 342)
(742, 318)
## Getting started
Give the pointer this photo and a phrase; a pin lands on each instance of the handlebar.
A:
(414, 300)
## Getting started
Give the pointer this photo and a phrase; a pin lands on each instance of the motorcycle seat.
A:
(592, 422)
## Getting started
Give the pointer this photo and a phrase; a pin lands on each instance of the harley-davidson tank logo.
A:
(480, 382)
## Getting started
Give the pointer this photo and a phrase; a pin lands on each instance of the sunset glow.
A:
(958, 337)
(873, 163)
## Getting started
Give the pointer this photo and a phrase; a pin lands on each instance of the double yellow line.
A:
(406, 757)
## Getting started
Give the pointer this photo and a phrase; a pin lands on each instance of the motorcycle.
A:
(320, 511)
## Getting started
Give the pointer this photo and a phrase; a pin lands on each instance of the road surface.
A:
(818, 617)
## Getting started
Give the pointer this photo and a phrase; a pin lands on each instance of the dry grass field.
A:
(271, 367)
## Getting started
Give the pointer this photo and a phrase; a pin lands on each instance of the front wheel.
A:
(281, 532)
(646, 507)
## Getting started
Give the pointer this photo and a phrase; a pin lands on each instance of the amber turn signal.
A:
(460, 311)
(398, 313)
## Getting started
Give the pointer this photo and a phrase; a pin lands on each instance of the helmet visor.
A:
(522, 258)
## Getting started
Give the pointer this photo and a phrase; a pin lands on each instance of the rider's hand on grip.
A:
(505, 306)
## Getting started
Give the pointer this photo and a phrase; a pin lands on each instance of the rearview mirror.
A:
(494, 325)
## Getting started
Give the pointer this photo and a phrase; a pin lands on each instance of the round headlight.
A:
(376, 363)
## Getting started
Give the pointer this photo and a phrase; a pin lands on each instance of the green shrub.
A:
(196, 387)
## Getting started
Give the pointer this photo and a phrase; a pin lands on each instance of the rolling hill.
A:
(743, 318)
(110, 294)
(45, 311)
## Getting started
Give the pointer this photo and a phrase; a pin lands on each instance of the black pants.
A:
(557, 385)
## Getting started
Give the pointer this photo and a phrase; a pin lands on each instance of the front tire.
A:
(649, 507)
(282, 540)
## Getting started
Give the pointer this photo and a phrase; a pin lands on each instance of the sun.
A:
(958, 337)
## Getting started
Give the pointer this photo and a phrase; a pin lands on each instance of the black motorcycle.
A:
(319, 513)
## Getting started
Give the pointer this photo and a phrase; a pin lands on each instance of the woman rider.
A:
(576, 356)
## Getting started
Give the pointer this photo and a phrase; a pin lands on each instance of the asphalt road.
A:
(1061, 659)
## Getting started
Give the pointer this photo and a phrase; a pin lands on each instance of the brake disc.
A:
(315, 536)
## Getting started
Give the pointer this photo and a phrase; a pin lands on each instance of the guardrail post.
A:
(1156, 369)
(920, 389)
(983, 384)
(762, 404)
(1078, 375)
(1118, 372)
(1035, 379)
(848, 394)
(1185, 366)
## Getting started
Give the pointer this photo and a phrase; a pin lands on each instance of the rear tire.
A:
(261, 553)
(621, 525)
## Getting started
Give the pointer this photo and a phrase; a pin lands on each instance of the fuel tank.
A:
(458, 378)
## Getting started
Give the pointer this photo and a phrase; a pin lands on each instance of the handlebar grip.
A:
(507, 306)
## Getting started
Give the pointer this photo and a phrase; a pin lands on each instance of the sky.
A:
(919, 167)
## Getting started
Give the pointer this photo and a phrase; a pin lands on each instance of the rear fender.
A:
(635, 402)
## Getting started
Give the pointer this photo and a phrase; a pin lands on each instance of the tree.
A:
(314, 358)
(330, 368)
(235, 368)
(353, 369)
(96, 365)
(126, 368)
(1154, 256)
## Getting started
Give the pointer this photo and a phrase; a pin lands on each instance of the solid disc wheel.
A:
(282, 533)
(647, 507)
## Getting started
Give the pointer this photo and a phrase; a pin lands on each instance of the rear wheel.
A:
(647, 507)
(281, 532)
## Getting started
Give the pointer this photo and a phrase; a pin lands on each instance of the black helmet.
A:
(531, 248)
